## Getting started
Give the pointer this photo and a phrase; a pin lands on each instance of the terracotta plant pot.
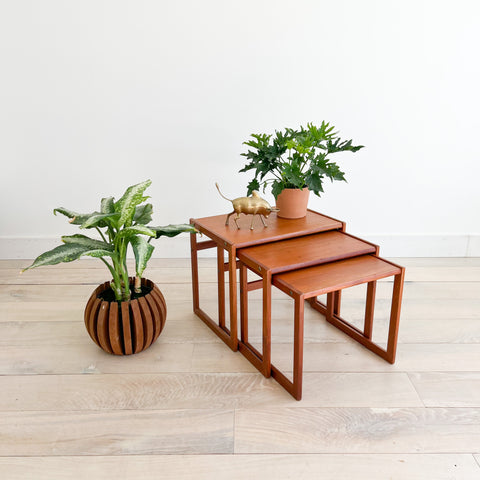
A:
(292, 203)
(123, 328)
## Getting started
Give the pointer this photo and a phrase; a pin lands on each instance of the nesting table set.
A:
(304, 258)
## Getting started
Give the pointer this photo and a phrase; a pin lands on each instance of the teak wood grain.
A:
(269, 259)
(225, 237)
(314, 281)
(277, 229)
(305, 251)
(309, 283)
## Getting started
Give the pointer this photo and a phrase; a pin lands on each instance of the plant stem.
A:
(274, 174)
(120, 265)
(111, 233)
(124, 272)
(115, 284)
(138, 288)
(101, 234)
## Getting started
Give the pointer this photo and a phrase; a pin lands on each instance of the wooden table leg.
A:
(338, 294)
(260, 360)
(228, 336)
(194, 263)
(232, 278)
(221, 286)
(337, 300)
(243, 304)
(330, 310)
(298, 348)
(369, 309)
(267, 324)
(395, 316)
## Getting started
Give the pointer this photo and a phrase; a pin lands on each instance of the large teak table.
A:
(229, 238)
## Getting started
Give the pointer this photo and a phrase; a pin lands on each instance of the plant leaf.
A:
(75, 218)
(173, 230)
(107, 205)
(99, 253)
(142, 251)
(135, 230)
(293, 174)
(132, 197)
(338, 145)
(254, 185)
(314, 183)
(87, 242)
(65, 253)
(87, 220)
(99, 219)
(277, 187)
(143, 214)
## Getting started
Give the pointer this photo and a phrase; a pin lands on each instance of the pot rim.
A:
(103, 287)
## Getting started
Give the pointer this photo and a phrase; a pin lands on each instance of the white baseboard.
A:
(426, 245)
(31, 247)
(179, 247)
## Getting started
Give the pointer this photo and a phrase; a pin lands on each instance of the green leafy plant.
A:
(119, 224)
(295, 158)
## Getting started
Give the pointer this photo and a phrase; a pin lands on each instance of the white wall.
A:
(98, 94)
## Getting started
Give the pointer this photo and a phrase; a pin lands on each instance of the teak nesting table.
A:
(304, 258)
(229, 238)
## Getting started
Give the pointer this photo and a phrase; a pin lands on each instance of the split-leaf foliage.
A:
(119, 224)
(295, 158)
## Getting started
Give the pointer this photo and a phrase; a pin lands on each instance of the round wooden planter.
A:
(292, 203)
(127, 327)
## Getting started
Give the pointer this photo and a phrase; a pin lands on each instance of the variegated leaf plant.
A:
(119, 224)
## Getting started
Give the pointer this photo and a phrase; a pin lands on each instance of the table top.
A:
(321, 279)
(304, 251)
(277, 229)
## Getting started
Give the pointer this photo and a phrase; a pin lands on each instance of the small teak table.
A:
(229, 238)
(307, 284)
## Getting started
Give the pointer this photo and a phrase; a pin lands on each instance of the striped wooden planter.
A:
(124, 328)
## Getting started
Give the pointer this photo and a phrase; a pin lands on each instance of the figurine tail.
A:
(221, 194)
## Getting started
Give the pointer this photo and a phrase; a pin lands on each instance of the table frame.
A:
(227, 238)
(333, 296)
(262, 360)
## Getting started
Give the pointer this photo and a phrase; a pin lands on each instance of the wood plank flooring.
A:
(190, 408)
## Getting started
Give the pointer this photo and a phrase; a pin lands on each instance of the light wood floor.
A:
(190, 408)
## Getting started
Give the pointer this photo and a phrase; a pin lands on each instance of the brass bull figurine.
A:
(254, 205)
